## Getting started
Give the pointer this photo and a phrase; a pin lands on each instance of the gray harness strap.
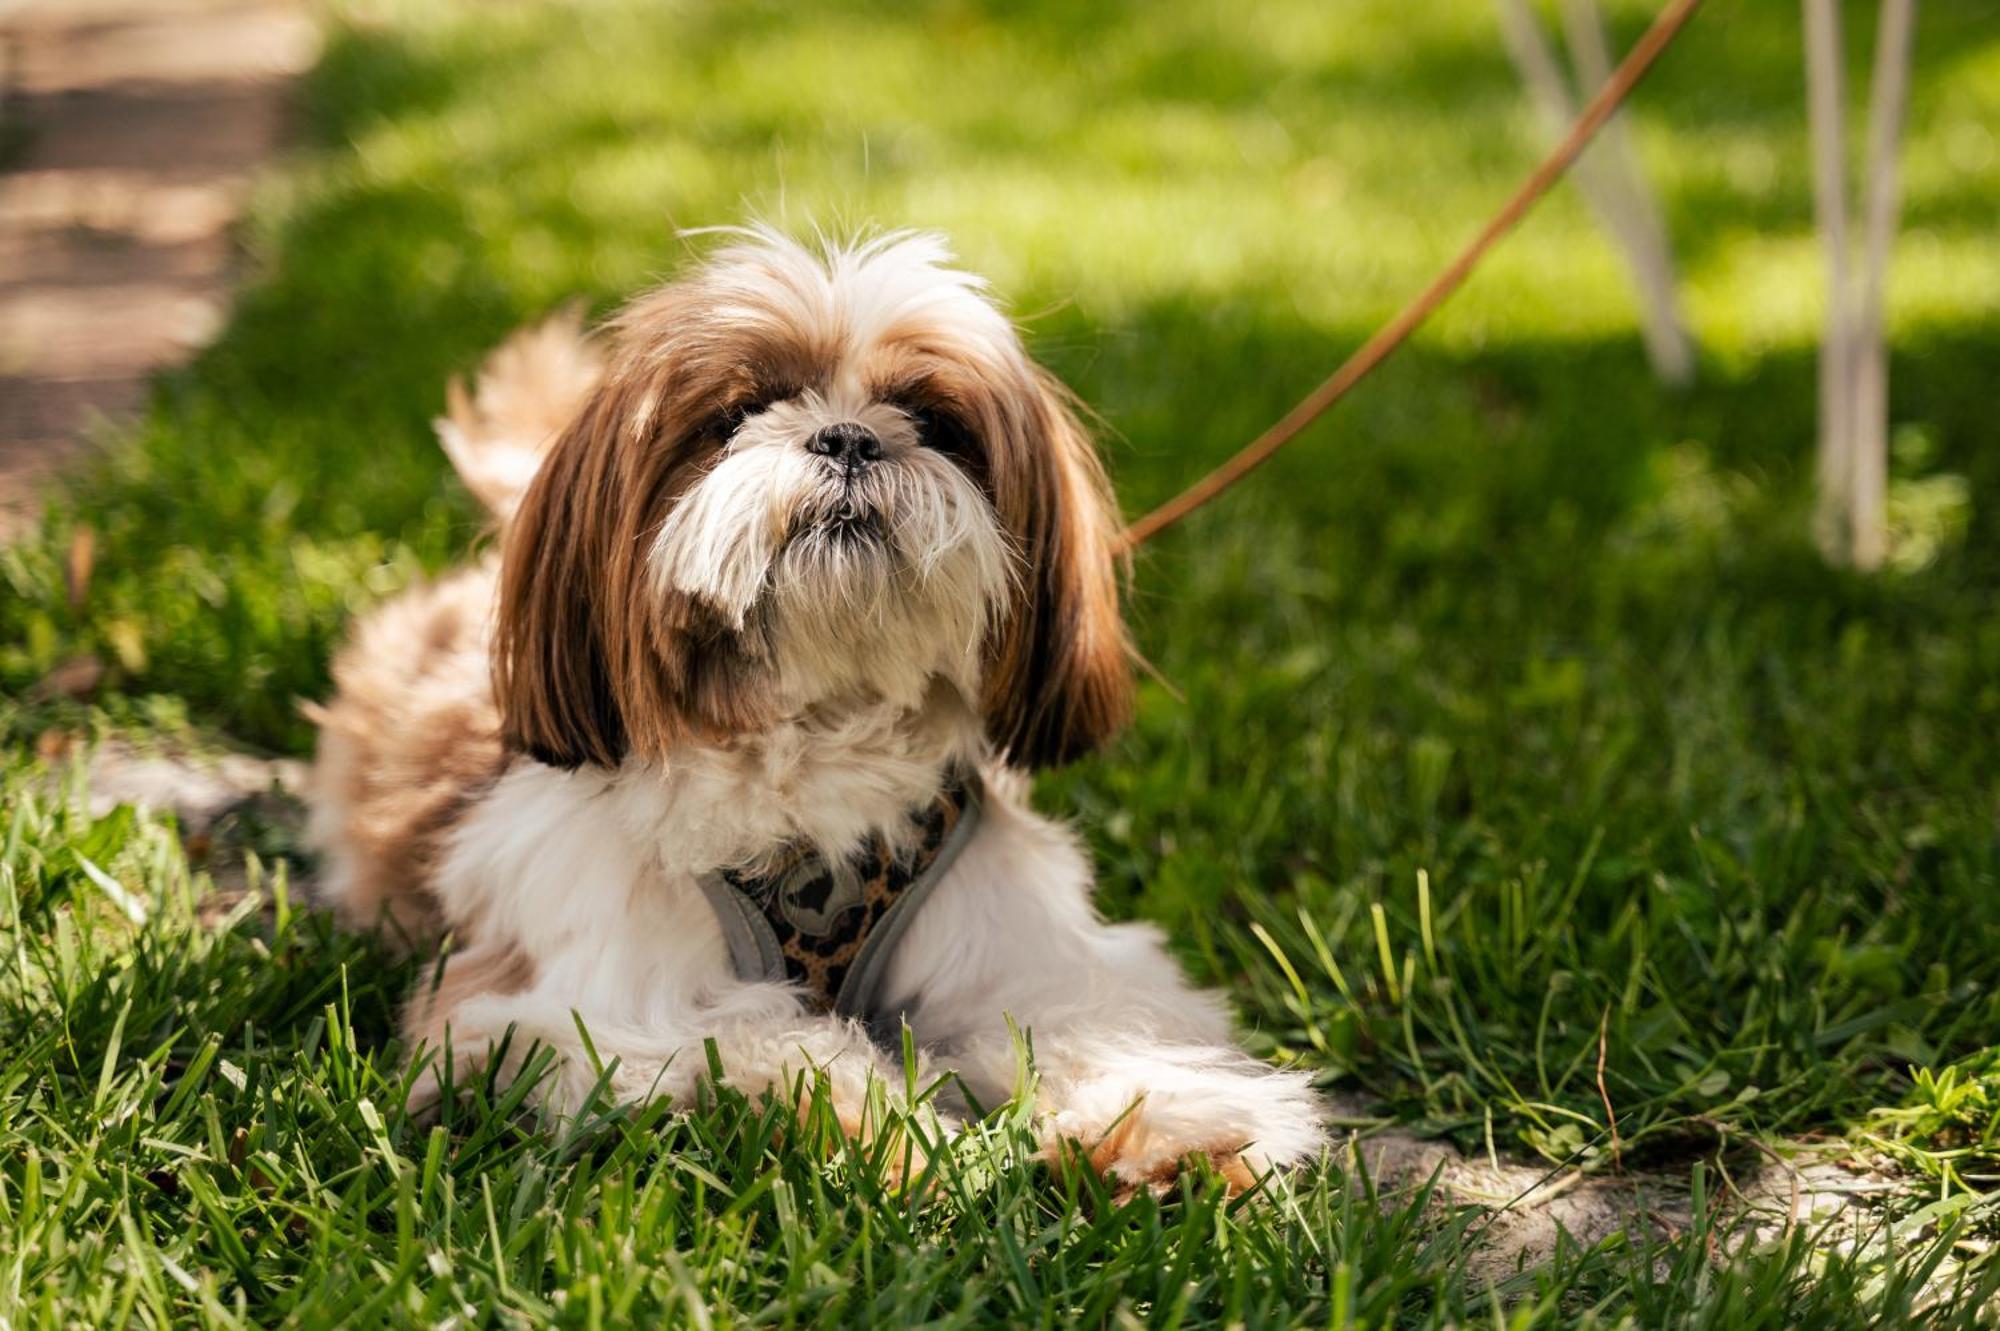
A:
(833, 928)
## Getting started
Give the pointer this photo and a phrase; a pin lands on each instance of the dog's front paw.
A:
(899, 1137)
(1139, 1120)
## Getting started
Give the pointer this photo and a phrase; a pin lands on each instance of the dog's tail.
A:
(529, 389)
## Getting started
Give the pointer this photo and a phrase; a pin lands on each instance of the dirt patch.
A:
(132, 130)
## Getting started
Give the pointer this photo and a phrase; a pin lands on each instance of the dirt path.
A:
(129, 134)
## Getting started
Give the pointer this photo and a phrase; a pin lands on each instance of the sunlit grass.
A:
(1515, 625)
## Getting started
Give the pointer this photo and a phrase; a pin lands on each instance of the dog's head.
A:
(808, 482)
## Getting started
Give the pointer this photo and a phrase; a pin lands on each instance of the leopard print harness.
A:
(830, 928)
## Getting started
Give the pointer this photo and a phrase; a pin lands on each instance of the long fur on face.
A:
(684, 565)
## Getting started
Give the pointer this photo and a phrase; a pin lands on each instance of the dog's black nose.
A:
(847, 443)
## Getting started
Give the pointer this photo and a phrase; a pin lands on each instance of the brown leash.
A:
(1392, 334)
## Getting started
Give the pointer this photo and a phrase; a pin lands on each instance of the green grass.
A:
(1520, 725)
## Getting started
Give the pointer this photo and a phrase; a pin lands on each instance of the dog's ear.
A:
(1059, 670)
(593, 660)
(552, 661)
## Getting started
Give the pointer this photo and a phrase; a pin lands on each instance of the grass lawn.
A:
(1520, 729)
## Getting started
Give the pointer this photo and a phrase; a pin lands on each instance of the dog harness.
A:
(832, 927)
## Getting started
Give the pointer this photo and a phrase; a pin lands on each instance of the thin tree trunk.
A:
(1825, 100)
(1650, 250)
(1869, 445)
(1619, 214)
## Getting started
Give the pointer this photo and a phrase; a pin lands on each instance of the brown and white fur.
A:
(704, 636)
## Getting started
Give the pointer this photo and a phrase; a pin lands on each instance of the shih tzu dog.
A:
(804, 565)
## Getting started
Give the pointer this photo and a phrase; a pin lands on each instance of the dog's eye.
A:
(946, 433)
(726, 422)
(940, 430)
